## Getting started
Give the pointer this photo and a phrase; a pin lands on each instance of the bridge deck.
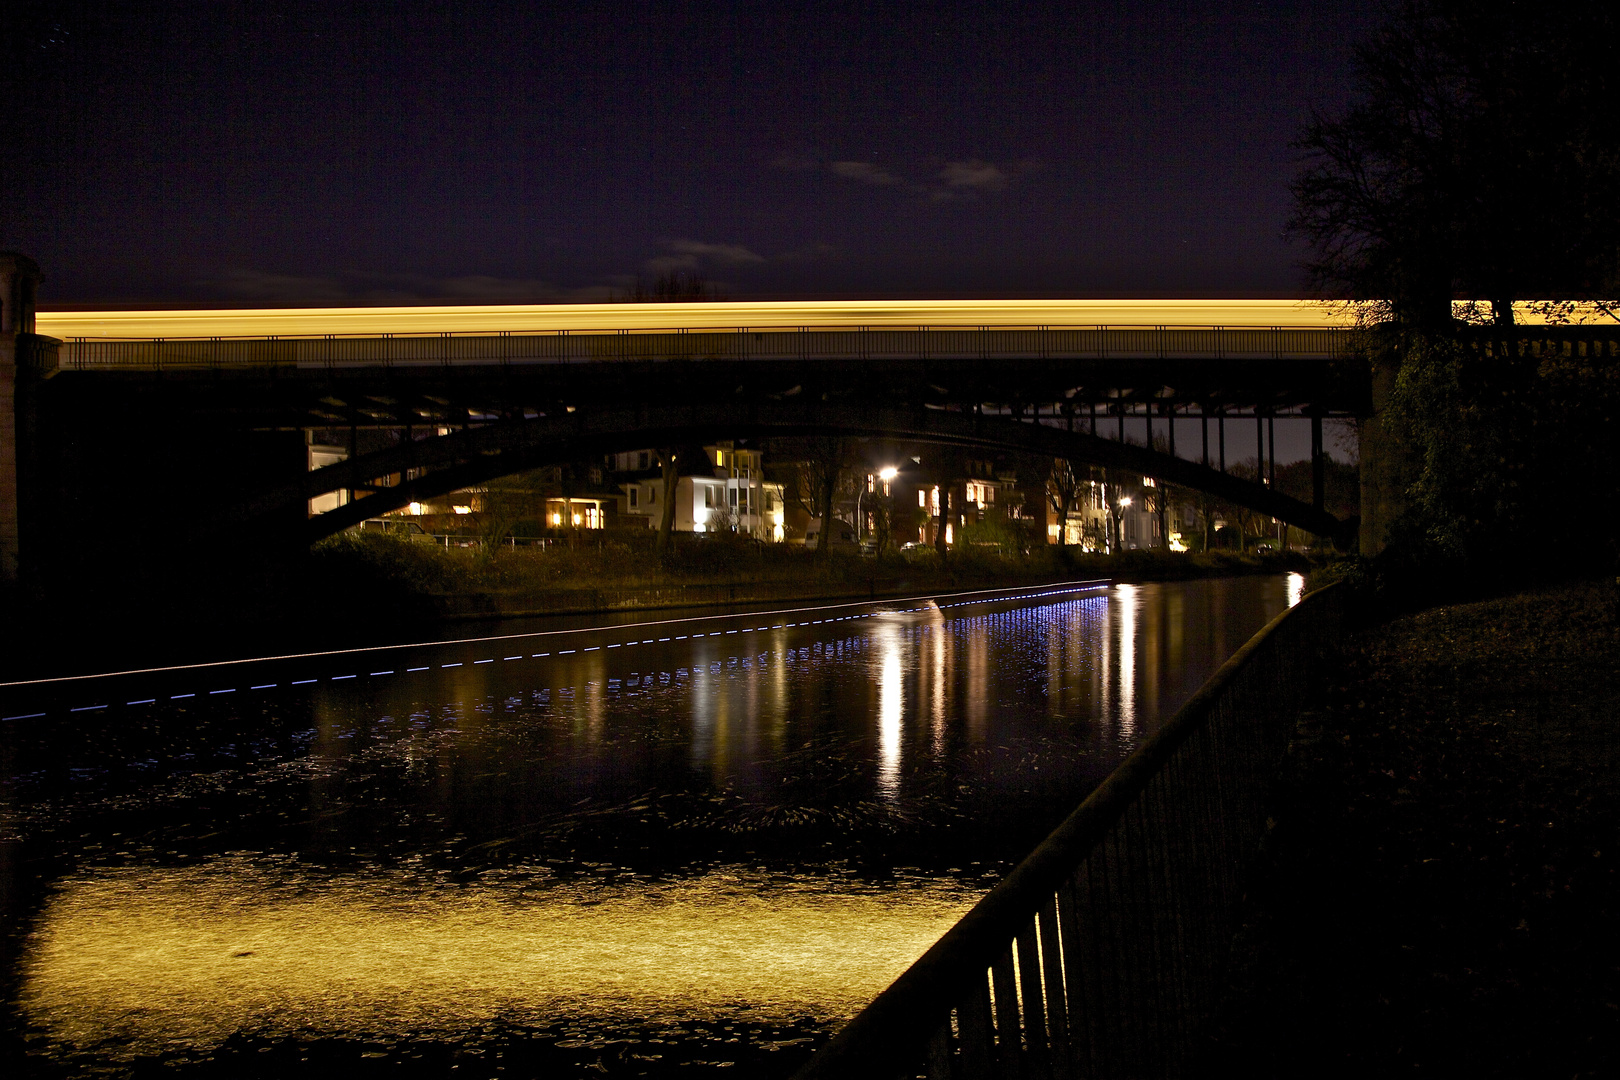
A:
(852, 343)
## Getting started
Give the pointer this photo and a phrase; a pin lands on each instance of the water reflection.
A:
(142, 958)
(1126, 604)
(767, 815)
(891, 706)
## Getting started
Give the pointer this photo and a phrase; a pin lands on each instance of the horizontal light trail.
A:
(979, 596)
(728, 315)
(1032, 591)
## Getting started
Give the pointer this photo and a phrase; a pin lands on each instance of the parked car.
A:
(408, 530)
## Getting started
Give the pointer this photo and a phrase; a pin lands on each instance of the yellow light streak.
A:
(586, 318)
(154, 957)
(727, 315)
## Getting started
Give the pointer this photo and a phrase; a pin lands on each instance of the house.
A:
(723, 490)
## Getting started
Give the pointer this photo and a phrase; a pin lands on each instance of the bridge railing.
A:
(1101, 952)
(743, 343)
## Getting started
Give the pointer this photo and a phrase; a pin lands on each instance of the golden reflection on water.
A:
(157, 958)
(891, 708)
(1127, 601)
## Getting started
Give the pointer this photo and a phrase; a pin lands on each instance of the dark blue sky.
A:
(252, 154)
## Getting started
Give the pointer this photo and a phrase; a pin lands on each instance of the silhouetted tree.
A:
(1482, 158)
(674, 287)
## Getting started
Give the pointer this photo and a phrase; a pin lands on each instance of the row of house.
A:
(899, 497)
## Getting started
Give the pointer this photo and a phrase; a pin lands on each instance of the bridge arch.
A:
(478, 454)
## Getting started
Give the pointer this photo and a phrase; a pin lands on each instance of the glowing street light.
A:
(887, 473)
(1124, 501)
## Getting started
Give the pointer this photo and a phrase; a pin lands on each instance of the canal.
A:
(656, 846)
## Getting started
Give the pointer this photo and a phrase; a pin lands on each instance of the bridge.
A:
(137, 422)
(494, 391)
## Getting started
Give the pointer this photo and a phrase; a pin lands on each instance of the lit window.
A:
(922, 498)
(462, 509)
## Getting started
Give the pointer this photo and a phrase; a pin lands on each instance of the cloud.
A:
(965, 179)
(865, 172)
(730, 254)
(973, 175)
(691, 255)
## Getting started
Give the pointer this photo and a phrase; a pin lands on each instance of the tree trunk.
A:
(824, 507)
(666, 513)
(944, 519)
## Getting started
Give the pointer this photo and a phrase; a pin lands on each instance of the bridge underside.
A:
(451, 423)
(449, 462)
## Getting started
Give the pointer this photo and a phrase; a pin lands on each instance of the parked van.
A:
(843, 536)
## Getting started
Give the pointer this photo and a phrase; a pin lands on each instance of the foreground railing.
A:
(1102, 952)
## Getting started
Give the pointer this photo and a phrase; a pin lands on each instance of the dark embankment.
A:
(1438, 894)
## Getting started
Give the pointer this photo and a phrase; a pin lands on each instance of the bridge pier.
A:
(1384, 466)
(24, 358)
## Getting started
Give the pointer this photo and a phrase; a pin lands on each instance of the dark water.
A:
(663, 848)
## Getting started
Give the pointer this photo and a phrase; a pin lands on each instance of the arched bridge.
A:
(475, 455)
(428, 412)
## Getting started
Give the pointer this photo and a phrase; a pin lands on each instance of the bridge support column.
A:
(1318, 464)
(24, 358)
(1271, 444)
(1385, 467)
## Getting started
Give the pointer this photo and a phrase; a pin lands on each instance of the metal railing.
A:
(1102, 952)
(741, 343)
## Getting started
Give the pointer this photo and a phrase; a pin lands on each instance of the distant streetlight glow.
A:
(887, 473)
(1124, 501)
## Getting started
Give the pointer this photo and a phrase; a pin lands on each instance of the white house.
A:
(730, 495)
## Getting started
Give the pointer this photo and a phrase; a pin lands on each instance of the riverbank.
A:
(527, 582)
(373, 589)
(1438, 893)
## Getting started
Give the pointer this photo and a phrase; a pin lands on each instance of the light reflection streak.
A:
(138, 961)
(1128, 599)
(891, 707)
(1296, 588)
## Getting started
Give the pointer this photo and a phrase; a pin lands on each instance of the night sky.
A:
(270, 154)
